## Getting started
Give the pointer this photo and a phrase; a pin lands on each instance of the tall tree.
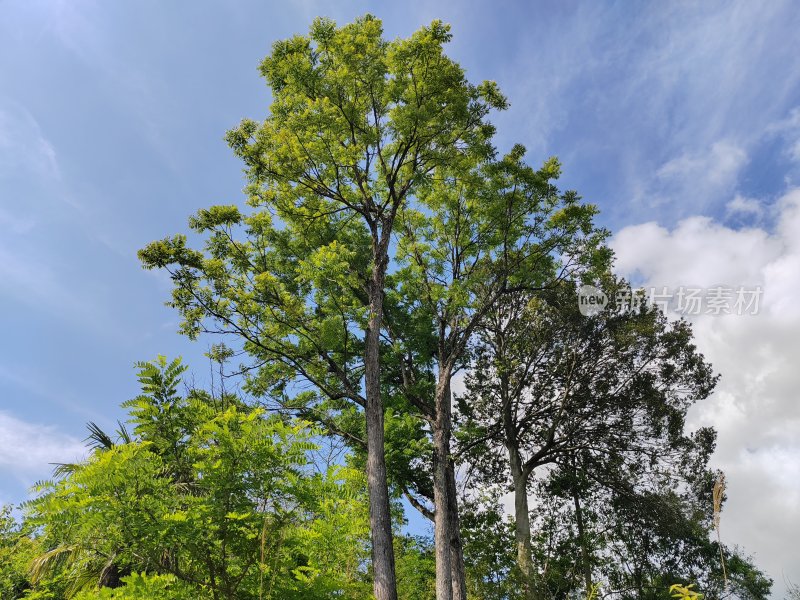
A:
(593, 396)
(357, 127)
(484, 234)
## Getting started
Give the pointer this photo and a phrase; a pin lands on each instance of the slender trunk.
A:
(385, 581)
(456, 548)
(442, 516)
(458, 571)
(522, 519)
(522, 524)
(586, 565)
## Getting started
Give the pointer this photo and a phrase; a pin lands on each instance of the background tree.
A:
(492, 572)
(642, 539)
(601, 401)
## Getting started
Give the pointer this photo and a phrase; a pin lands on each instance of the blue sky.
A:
(680, 120)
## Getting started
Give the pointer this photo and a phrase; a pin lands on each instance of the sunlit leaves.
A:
(203, 490)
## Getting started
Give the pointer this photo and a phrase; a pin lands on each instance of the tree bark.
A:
(443, 519)
(522, 524)
(456, 547)
(519, 475)
(385, 580)
(586, 565)
(456, 544)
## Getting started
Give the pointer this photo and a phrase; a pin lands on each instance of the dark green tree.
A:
(483, 235)
(595, 405)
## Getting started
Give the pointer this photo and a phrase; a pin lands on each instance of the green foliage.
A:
(17, 549)
(488, 535)
(416, 568)
(601, 401)
(368, 138)
(140, 586)
(377, 205)
(684, 592)
(357, 126)
(219, 498)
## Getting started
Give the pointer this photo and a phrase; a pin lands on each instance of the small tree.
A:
(217, 496)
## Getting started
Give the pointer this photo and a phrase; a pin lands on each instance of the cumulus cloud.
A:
(755, 407)
(26, 448)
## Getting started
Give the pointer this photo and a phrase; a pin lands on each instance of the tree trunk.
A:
(385, 581)
(586, 565)
(111, 576)
(443, 519)
(458, 571)
(522, 525)
(522, 518)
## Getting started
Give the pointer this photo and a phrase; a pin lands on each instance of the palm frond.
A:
(64, 469)
(48, 561)
(123, 434)
(98, 439)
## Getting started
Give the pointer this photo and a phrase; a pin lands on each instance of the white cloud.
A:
(702, 174)
(755, 407)
(716, 165)
(698, 251)
(794, 151)
(27, 449)
(744, 206)
(788, 128)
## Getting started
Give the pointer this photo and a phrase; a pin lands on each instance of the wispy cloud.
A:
(27, 449)
(741, 205)
(40, 285)
(667, 101)
(15, 224)
(707, 173)
(789, 130)
(24, 149)
(86, 29)
(51, 391)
